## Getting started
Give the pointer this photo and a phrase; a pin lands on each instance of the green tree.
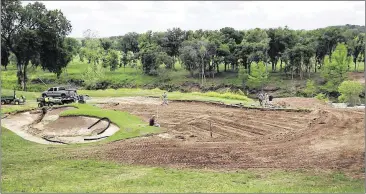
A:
(334, 71)
(350, 91)
(33, 33)
(93, 74)
(243, 75)
(129, 42)
(72, 45)
(149, 64)
(259, 75)
(106, 44)
(5, 54)
(164, 58)
(112, 59)
(190, 58)
(172, 41)
(310, 89)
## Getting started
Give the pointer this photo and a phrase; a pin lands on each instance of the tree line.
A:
(37, 36)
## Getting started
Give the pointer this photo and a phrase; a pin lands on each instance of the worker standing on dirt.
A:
(165, 99)
(260, 97)
(152, 122)
(46, 100)
(265, 99)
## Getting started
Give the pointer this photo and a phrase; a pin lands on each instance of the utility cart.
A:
(12, 99)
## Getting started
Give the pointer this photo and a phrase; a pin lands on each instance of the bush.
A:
(322, 97)
(310, 89)
(350, 92)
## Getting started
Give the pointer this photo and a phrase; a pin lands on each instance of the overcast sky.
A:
(112, 18)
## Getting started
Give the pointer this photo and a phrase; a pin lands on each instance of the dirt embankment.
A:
(328, 138)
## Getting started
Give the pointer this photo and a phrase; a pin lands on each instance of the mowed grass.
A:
(31, 167)
(130, 125)
(16, 108)
(226, 97)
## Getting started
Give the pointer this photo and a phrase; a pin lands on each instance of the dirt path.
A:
(326, 138)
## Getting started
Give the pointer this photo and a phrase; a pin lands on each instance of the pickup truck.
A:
(59, 92)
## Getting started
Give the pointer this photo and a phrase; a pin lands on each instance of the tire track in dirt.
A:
(325, 138)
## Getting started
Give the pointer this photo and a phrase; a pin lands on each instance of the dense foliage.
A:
(38, 36)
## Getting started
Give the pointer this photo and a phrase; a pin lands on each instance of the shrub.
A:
(310, 89)
(322, 97)
(350, 91)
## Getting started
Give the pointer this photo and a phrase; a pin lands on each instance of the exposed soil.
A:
(327, 138)
(356, 76)
(298, 102)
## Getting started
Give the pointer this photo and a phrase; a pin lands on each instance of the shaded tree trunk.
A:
(281, 66)
(25, 77)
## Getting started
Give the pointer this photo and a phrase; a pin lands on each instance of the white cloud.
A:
(111, 18)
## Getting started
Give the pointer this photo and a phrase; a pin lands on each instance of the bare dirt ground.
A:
(298, 102)
(325, 138)
(356, 76)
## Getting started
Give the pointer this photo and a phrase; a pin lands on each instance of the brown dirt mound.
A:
(298, 102)
(243, 138)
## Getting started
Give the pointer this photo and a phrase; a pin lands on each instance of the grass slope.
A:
(30, 167)
(226, 97)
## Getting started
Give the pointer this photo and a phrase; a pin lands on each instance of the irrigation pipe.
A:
(94, 138)
(104, 118)
(54, 141)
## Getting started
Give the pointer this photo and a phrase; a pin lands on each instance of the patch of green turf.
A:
(27, 95)
(130, 125)
(31, 167)
(227, 97)
(15, 108)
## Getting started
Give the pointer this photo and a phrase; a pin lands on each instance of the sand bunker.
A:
(54, 129)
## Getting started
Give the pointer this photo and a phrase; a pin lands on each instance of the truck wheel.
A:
(16, 102)
(40, 105)
(63, 95)
(2, 102)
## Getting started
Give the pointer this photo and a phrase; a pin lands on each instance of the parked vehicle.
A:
(12, 99)
(48, 101)
(60, 92)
